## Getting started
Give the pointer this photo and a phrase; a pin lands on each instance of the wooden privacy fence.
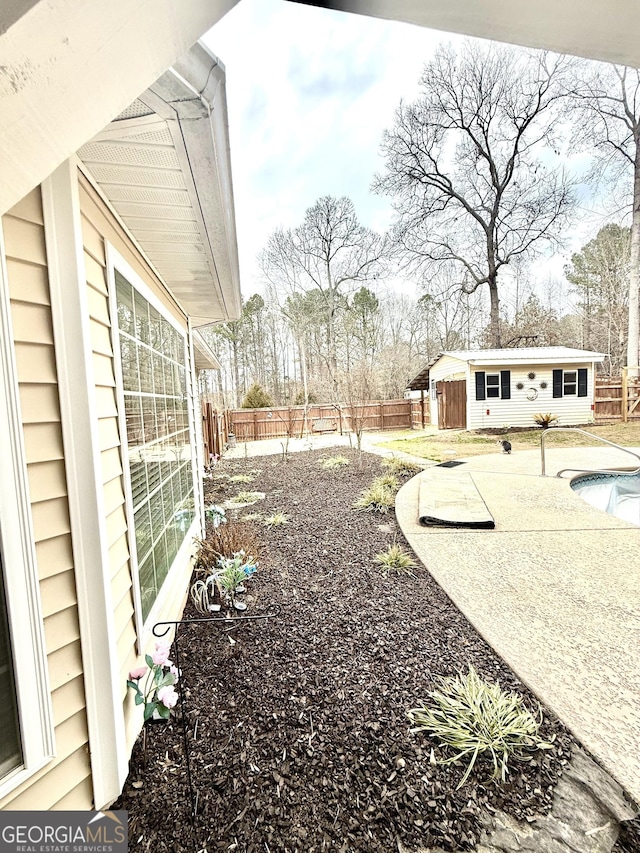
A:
(214, 432)
(617, 398)
(256, 424)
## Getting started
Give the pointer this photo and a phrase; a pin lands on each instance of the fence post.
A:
(422, 418)
(625, 394)
(381, 415)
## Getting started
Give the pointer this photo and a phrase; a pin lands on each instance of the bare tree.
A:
(330, 253)
(464, 166)
(599, 274)
(608, 104)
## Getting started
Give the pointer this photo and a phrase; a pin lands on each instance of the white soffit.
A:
(164, 166)
(204, 356)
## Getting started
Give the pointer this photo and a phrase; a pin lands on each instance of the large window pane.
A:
(10, 745)
(154, 382)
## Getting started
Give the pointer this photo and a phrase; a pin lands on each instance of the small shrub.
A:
(276, 520)
(256, 398)
(224, 541)
(241, 478)
(473, 717)
(332, 462)
(377, 498)
(545, 419)
(246, 498)
(395, 559)
(399, 466)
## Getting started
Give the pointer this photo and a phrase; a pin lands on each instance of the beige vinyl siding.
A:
(69, 771)
(519, 411)
(446, 369)
(99, 226)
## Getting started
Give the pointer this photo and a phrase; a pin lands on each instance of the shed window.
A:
(570, 383)
(493, 385)
(154, 381)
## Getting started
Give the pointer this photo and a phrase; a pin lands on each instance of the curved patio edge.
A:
(554, 589)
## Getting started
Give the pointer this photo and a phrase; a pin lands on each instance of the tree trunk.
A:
(495, 311)
(634, 270)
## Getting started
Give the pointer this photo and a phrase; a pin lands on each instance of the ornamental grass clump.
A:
(379, 497)
(396, 465)
(330, 463)
(276, 520)
(395, 559)
(472, 717)
(246, 498)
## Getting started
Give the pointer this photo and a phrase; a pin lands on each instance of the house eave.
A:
(164, 166)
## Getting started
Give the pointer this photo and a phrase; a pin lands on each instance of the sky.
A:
(310, 92)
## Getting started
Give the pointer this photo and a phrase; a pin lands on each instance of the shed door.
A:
(452, 404)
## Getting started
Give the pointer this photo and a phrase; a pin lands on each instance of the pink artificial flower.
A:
(175, 672)
(137, 673)
(161, 654)
(168, 696)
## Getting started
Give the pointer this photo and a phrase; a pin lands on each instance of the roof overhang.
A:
(67, 68)
(595, 29)
(204, 356)
(164, 166)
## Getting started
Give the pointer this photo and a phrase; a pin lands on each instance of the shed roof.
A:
(524, 355)
(520, 355)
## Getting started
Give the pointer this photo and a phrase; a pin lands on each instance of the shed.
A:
(493, 388)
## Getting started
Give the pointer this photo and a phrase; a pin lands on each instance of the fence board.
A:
(609, 404)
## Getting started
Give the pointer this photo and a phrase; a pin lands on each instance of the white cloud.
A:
(310, 93)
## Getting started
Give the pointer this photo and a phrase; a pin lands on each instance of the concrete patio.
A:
(554, 589)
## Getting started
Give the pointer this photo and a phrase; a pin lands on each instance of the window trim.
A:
(22, 588)
(171, 585)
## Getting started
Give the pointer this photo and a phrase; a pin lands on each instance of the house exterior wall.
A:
(101, 230)
(65, 782)
(518, 410)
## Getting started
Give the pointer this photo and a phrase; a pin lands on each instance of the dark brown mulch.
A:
(298, 727)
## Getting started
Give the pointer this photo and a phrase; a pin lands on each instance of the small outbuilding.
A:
(493, 388)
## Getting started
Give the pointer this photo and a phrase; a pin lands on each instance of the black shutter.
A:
(582, 382)
(557, 383)
(480, 386)
(505, 384)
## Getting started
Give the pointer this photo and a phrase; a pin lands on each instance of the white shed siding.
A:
(519, 411)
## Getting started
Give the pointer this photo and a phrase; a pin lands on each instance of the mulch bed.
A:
(298, 731)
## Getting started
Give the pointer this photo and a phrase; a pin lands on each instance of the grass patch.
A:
(333, 462)
(449, 444)
(241, 478)
(395, 559)
(473, 717)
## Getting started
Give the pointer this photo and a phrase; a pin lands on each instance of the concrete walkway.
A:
(554, 589)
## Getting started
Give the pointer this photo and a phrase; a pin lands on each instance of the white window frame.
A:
(497, 386)
(573, 383)
(171, 588)
(22, 588)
